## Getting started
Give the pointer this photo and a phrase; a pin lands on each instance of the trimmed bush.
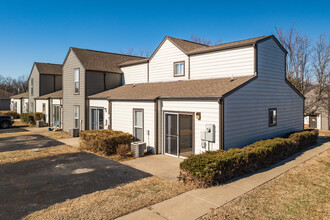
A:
(104, 141)
(123, 150)
(28, 118)
(11, 113)
(215, 167)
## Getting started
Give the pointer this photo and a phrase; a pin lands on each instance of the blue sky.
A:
(43, 31)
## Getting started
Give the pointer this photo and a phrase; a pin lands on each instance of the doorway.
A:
(56, 116)
(97, 118)
(178, 134)
(313, 122)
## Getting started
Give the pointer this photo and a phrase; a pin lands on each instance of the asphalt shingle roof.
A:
(49, 68)
(186, 88)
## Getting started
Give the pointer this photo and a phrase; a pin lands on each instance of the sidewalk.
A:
(196, 203)
(74, 142)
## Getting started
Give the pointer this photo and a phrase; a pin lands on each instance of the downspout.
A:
(156, 124)
(49, 112)
(221, 124)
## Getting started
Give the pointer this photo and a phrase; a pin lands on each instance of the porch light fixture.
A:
(198, 115)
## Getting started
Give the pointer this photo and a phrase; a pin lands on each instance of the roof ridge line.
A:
(99, 51)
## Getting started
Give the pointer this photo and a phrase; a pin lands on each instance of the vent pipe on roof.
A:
(232, 77)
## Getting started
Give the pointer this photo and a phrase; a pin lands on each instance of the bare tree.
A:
(318, 98)
(131, 51)
(13, 85)
(204, 40)
(298, 59)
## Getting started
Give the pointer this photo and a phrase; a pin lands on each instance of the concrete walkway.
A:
(74, 142)
(196, 203)
(160, 165)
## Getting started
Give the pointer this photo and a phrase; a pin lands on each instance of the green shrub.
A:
(11, 113)
(104, 141)
(28, 118)
(214, 167)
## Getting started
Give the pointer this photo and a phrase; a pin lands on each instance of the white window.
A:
(179, 68)
(31, 86)
(76, 116)
(272, 117)
(76, 81)
(138, 124)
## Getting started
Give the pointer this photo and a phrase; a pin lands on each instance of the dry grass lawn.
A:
(112, 203)
(301, 193)
(51, 134)
(24, 155)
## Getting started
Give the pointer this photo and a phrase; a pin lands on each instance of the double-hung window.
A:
(31, 86)
(76, 116)
(138, 124)
(179, 68)
(272, 117)
(76, 81)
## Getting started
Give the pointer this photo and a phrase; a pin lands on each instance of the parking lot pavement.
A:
(33, 185)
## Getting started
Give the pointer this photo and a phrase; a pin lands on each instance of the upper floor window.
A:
(31, 86)
(179, 68)
(272, 117)
(76, 81)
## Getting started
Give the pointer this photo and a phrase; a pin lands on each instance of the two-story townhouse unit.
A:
(44, 78)
(87, 72)
(188, 98)
(20, 103)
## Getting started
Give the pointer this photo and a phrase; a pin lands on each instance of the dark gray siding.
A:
(4, 104)
(70, 99)
(113, 80)
(58, 83)
(47, 84)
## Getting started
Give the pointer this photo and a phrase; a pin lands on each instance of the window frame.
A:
(270, 114)
(74, 81)
(74, 116)
(31, 86)
(134, 126)
(184, 69)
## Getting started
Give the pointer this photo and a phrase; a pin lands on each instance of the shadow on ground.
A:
(34, 185)
(24, 142)
(14, 129)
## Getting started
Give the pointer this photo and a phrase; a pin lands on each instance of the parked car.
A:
(6, 121)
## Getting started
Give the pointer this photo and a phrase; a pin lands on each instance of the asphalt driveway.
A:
(33, 185)
(25, 142)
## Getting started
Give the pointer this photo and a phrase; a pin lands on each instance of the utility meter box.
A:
(210, 132)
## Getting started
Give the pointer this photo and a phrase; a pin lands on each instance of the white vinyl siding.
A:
(25, 105)
(39, 108)
(101, 103)
(221, 64)
(122, 118)
(246, 111)
(161, 65)
(209, 115)
(16, 103)
(135, 74)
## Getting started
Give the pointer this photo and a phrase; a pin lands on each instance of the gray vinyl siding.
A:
(58, 83)
(70, 99)
(4, 104)
(35, 76)
(47, 84)
(246, 110)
